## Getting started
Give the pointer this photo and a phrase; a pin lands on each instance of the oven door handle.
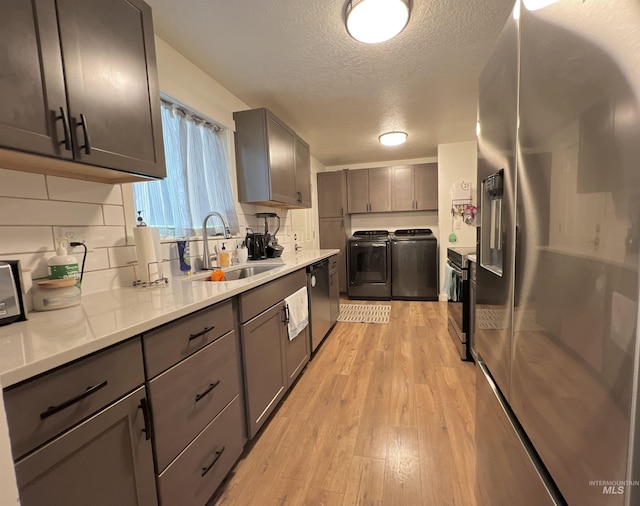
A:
(459, 272)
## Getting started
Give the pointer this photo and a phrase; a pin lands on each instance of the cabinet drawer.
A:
(188, 396)
(195, 475)
(43, 408)
(166, 346)
(263, 297)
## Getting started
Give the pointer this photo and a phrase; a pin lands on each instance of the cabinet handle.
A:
(85, 132)
(299, 197)
(65, 129)
(285, 310)
(219, 453)
(201, 333)
(207, 391)
(52, 410)
(144, 406)
(342, 211)
(342, 223)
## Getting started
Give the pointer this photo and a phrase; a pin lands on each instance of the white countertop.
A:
(53, 338)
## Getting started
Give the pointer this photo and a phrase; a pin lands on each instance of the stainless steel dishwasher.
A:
(319, 303)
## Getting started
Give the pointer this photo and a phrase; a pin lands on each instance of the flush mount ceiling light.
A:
(373, 21)
(393, 138)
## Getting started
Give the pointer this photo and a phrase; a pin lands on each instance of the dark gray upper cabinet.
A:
(332, 194)
(303, 173)
(104, 112)
(32, 94)
(415, 187)
(369, 190)
(273, 164)
(426, 186)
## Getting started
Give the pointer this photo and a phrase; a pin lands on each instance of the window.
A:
(197, 179)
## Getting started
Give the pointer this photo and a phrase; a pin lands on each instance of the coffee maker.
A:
(256, 246)
(274, 249)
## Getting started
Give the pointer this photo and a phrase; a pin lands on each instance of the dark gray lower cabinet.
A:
(103, 461)
(271, 361)
(264, 366)
(193, 477)
(296, 353)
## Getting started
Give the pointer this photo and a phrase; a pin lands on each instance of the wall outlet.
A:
(73, 234)
(456, 224)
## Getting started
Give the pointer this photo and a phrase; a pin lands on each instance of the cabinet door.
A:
(296, 354)
(333, 236)
(403, 196)
(105, 460)
(265, 378)
(426, 186)
(358, 191)
(111, 79)
(282, 158)
(334, 296)
(303, 173)
(380, 189)
(332, 194)
(32, 99)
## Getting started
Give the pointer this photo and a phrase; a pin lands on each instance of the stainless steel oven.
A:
(459, 304)
(369, 265)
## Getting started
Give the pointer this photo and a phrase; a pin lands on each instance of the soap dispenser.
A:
(224, 259)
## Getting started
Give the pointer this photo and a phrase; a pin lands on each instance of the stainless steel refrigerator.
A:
(556, 324)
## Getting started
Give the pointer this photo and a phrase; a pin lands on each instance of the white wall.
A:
(456, 162)
(34, 209)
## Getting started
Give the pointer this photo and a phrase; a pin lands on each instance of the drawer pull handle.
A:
(211, 387)
(144, 406)
(219, 453)
(52, 410)
(201, 333)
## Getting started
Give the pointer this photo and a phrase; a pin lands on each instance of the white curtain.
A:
(197, 179)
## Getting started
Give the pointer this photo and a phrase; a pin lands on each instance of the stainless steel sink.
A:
(235, 273)
(247, 272)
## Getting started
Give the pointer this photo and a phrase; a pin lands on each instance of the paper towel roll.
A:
(148, 252)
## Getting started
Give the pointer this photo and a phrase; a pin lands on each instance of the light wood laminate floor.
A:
(383, 414)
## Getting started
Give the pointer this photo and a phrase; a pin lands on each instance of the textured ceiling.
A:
(296, 58)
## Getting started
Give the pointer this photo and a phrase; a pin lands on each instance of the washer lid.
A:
(413, 231)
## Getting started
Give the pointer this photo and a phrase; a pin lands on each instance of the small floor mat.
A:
(365, 313)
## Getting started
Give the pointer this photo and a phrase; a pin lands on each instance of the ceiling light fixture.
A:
(393, 138)
(374, 21)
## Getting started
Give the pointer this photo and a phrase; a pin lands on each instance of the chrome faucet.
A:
(206, 260)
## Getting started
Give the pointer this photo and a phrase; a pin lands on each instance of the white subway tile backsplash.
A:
(37, 262)
(22, 184)
(113, 215)
(15, 211)
(96, 237)
(25, 239)
(99, 281)
(97, 259)
(75, 190)
(120, 257)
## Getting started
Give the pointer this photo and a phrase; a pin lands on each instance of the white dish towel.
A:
(298, 311)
